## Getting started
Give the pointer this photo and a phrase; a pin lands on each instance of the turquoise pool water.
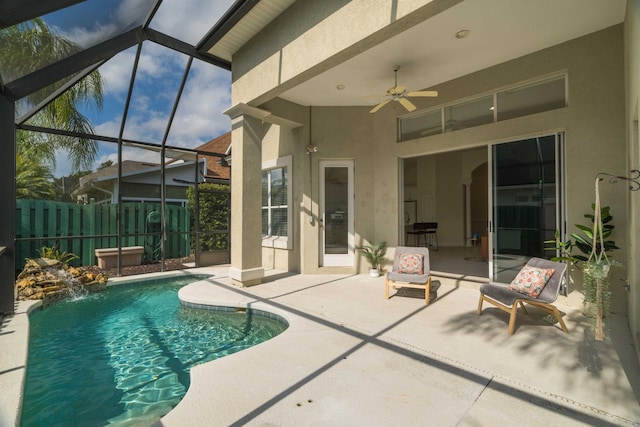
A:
(123, 356)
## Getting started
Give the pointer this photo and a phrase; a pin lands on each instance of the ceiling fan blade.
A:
(407, 104)
(431, 93)
(379, 106)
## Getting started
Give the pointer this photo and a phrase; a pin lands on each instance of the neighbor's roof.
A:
(110, 171)
(222, 145)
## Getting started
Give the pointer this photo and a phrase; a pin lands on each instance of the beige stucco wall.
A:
(282, 56)
(632, 56)
(595, 141)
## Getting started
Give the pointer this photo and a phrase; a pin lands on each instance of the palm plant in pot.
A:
(374, 254)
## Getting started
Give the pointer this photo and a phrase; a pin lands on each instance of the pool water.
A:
(122, 356)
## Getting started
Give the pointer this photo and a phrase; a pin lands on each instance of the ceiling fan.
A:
(400, 94)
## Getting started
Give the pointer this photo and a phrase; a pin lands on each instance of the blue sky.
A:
(207, 94)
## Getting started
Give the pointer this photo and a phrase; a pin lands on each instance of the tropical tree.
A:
(33, 179)
(27, 47)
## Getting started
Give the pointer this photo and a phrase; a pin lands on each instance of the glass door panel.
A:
(526, 199)
(337, 213)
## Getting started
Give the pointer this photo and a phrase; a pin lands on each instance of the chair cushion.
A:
(411, 263)
(531, 280)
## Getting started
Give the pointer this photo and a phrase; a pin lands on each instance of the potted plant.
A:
(374, 254)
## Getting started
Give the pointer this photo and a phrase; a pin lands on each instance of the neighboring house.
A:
(218, 169)
(140, 182)
(537, 97)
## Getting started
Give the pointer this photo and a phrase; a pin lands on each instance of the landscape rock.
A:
(51, 280)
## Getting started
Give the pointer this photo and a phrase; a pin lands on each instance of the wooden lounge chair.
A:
(410, 270)
(508, 300)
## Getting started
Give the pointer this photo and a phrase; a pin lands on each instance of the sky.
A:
(207, 93)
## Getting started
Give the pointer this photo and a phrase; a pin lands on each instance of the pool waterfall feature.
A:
(52, 280)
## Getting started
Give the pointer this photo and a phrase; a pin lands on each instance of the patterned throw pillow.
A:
(531, 280)
(410, 264)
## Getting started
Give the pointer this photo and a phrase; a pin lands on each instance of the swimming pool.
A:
(122, 356)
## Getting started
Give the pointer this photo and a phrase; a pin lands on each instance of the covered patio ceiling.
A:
(429, 53)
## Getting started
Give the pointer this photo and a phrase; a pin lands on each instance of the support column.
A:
(246, 199)
(8, 205)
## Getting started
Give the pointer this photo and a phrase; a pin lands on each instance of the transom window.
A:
(543, 95)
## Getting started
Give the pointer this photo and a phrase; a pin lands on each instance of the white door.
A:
(336, 213)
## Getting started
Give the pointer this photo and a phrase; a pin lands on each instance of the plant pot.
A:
(374, 272)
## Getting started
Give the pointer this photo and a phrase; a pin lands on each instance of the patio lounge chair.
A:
(508, 300)
(410, 270)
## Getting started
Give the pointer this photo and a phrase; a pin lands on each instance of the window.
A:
(422, 125)
(544, 95)
(535, 98)
(276, 202)
(469, 114)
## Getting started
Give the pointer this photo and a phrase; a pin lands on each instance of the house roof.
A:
(111, 171)
(221, 145)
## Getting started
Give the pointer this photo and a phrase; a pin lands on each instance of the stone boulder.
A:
(50, 280)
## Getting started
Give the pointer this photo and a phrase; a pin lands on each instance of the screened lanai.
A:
(161, 97)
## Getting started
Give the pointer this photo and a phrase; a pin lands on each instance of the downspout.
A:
(310, 150)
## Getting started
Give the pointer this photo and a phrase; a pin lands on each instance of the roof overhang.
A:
(241, 23)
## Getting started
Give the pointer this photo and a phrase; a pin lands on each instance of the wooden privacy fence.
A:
(81, 229)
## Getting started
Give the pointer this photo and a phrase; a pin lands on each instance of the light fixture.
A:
(462, 34)
(340, 87)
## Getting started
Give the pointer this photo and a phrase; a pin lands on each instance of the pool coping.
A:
(13, 363)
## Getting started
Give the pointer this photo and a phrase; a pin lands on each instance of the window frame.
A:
(280, 242)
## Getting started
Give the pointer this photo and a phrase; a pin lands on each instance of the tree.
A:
(33, 179)
(105, 164)
(27, 47)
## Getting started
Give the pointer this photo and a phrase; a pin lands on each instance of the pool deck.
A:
(352, 358)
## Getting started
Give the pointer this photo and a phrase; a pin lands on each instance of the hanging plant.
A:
(595, 272)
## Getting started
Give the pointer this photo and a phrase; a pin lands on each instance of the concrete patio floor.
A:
(352, 358)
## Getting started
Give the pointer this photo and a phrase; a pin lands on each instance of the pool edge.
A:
(14, 331)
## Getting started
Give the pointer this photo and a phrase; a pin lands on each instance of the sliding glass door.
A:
(526, 202)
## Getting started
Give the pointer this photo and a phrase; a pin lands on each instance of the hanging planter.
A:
(595, 272)
(596, 265)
